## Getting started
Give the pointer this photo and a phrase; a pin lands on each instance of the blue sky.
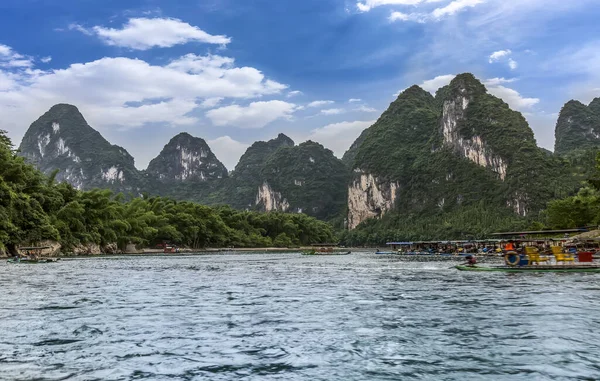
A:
(237, 71)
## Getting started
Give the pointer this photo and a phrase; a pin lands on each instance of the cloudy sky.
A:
(237, 71)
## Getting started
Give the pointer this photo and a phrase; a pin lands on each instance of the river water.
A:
(293, 317)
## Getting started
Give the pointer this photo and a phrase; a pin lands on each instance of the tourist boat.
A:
(535, 269)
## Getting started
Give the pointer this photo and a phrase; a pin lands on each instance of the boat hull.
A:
(533, 269)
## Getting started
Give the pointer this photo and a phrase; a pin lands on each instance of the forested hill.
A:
(578, 128)
(460, 164)
(34, 208)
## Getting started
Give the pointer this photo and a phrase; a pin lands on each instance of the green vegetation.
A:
(443, 194)
(578, 127)
(310, 178)
(34, 208)
(240, 191)
(582, 209)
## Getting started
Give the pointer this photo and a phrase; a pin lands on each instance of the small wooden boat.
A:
(535, 269)
(386, 253)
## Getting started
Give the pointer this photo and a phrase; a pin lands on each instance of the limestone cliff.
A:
(369, 197)
(269, 200)
(473, 148)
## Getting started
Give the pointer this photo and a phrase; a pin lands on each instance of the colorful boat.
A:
(535, 269)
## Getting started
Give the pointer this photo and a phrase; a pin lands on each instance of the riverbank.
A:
(187, 251)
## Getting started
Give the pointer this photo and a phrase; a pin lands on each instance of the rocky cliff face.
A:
(186, 158)
(369, 197)
(271, 201)
(62, 140)
(454, 111)
(578, 127)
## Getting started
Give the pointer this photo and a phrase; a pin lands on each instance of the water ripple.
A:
(293, 317)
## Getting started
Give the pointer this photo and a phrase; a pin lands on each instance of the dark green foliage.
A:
(33, 208)
(246, 178)
(310, 177)
(578, 127)
(473, 221)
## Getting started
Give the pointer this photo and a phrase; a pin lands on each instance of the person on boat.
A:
(471, 261)
(509, 246)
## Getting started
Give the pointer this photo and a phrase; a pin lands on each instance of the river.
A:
(293, 317)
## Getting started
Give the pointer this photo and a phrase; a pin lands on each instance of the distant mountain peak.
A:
(578, 127)
(62, 139)
(184, 158)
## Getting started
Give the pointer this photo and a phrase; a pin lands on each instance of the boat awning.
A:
(399, 243)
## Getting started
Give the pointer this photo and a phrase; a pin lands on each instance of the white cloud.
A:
(10, 59)
(498, 81)
(454, 7)
(227, 150)
(46, 59)
(354, 100)
(333, 111)
(6, 82)
(104, 90)
(399, 16)
(364, 108)
(427, 14)
(339, 136)
(496, 56)
(294, 93)
(319, 103)
(432, 85)
(501, 55)
(16, 63)
(367, 5)
(514, 99)
(255, 115)
(146, 33)
(211, 102)
(5, 50)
